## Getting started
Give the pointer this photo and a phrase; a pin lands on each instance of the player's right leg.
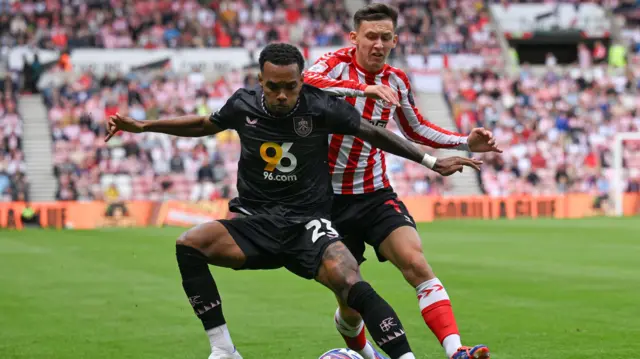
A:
(209, 243)
(392, 233)
(403, 248)
(347, 219)
(339, 272)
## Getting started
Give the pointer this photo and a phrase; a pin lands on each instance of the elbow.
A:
(415, 138)
(205, 127)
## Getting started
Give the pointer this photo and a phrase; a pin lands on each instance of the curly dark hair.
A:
(281, 55)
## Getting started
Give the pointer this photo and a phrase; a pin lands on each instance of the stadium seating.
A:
(146, 166)
(550, 149)
(13, 183)
(545, 153)
(78, 135)
(151, 166)
(445, 27)
(55, 24)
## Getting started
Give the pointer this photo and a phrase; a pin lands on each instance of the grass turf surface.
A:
(564, 289)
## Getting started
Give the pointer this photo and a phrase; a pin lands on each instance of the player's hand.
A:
(382, 92)
(450, 165)
(481, 140)
(119, 122)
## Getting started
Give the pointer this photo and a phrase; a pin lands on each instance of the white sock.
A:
(451, 344)
(351, 331)
(220, 338)
(345, 328)
(430, 292)
(368, 352)
(408, 356)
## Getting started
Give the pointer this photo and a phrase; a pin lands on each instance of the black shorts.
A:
(369, 218)
(270, 242)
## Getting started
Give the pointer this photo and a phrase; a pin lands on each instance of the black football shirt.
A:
(283, 167)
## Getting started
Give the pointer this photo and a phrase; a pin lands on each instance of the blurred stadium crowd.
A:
(556, 126)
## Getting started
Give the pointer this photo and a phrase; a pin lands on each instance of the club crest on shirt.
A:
(303, 125)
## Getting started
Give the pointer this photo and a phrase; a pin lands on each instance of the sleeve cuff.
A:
(464, 146)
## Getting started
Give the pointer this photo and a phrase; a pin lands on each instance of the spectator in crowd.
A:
(29, 217)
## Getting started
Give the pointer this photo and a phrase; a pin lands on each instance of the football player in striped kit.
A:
(365, 208)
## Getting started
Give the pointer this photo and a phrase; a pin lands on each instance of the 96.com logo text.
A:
(278, 158)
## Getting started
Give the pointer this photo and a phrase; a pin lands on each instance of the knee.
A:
(344, 277)
(416, 270)
(351, 277)
(344, 274)
(193, 238)
(342, 290)
(340, 271)
(186, 239)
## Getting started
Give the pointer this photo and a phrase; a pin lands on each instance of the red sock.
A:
(439, 318)
(356, 343)
(354, 337)
(436, 309)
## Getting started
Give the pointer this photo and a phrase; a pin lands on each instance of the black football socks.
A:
(381, 320)
(199, 286)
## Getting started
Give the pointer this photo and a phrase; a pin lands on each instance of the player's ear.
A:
(395, 40)
(353, 37)
(260, 80)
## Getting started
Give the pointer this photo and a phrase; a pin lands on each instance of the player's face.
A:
(374, 41)
(281, 86)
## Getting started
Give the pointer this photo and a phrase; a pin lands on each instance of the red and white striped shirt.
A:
(357, 167)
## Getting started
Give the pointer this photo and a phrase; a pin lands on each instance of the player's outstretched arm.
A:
(342, 118)
(392, 143)
(184, 126)
(326, 74)
(418, 129)
(350, 88)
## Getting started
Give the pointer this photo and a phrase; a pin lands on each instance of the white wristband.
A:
(428, 161)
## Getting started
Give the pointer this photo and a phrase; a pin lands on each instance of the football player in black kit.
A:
(284, 189)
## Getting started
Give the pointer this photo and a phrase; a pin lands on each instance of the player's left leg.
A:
(208, 243)
(240, 243)
(403, 248)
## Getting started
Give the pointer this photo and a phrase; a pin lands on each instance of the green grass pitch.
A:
(553, 289)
